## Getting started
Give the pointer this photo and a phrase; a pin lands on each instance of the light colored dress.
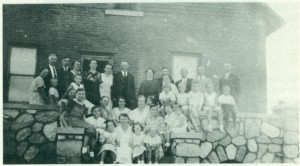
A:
(139, 116)
(154, 141)
(34, 95)
(109, 140)
(173, 120)
(105, 87)
(124, 151)
(138, 144)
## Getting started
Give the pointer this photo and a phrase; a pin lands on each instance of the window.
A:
(22, 68)
(190, 61)
(124, 9)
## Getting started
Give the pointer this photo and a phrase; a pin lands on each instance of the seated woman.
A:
(109, 140)
(117, 111)
(63, 104)
(76, 111)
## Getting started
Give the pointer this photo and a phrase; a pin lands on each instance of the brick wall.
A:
(220, 32)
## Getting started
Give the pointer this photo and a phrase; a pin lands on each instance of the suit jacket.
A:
(64, 80)
(188, 84)
(119, 89)
(206, 80)
(233, 82)
(48, 78)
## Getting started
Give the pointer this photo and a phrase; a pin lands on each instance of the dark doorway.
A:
(101, 58)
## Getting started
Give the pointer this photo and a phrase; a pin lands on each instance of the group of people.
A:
(128, 126)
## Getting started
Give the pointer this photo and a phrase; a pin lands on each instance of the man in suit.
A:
(185, 80)
(123, 85)
(64, 76)
(203, 80)
(164, 71)
(232, 80)
(52, 59)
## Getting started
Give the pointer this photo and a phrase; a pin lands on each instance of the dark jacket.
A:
(188, 84)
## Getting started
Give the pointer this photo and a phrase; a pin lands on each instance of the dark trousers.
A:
(228, 110)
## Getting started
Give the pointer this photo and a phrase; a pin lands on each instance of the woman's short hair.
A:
(122, 97)
(94, 107)
(104, 97)
(73, 63)
(142, 96)
(150, 70)
(80, 90)
(107, 121)
(124, 115)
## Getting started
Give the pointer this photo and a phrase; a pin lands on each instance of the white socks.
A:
(84, 150)
(92, 154)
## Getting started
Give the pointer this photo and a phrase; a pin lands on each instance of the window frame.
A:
(8, 74)
(99, 56)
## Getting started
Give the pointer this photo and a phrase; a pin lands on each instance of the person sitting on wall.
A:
(63, 104)
(76, 112)
(37, 93)
(185, 80)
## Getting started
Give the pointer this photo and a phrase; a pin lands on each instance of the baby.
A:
(153, 145)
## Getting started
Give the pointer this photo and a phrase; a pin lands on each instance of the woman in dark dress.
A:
(150, 86)
(76, 112)
(92, 80)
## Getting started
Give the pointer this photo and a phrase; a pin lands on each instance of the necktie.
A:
(54, 72)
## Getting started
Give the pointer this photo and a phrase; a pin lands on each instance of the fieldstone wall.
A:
(69, 143)
(255, 139)
(29, 134)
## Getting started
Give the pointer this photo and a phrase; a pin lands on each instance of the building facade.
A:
(145, 35)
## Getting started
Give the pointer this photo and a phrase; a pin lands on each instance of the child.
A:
(228, 104)
(137, 143)
(153, 145)
(183, 98)
(75, 85)
(167, 96)
(53, 92)
(108, 139)
(168, 122)
(210, 105)
(196, 100)
(96, 120)
(175, 122)
(149, 101)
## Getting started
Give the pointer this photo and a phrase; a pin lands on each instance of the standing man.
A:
(187, 81)
(64, 76)
(203, 80)
(164, 71)
(232, 80)
(52, 59)
(124, 86)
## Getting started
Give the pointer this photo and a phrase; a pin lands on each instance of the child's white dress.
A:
(124, 151)
(138, 144)
(154, 141)
(109, 140)
(167, 97)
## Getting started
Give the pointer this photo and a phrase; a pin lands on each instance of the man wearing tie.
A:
(64, 76)
(232, 80)
(185, 80)
(203, 80)
(52, 58)
(124, 86)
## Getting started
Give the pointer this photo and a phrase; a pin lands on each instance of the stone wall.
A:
(29, 134)
(256, 139)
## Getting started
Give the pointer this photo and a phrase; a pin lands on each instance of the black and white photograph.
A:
(150, 82)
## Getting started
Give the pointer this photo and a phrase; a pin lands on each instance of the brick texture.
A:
(229, 32)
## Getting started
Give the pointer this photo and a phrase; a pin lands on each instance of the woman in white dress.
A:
(124, 137)
(117, 111)
(107, 81)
